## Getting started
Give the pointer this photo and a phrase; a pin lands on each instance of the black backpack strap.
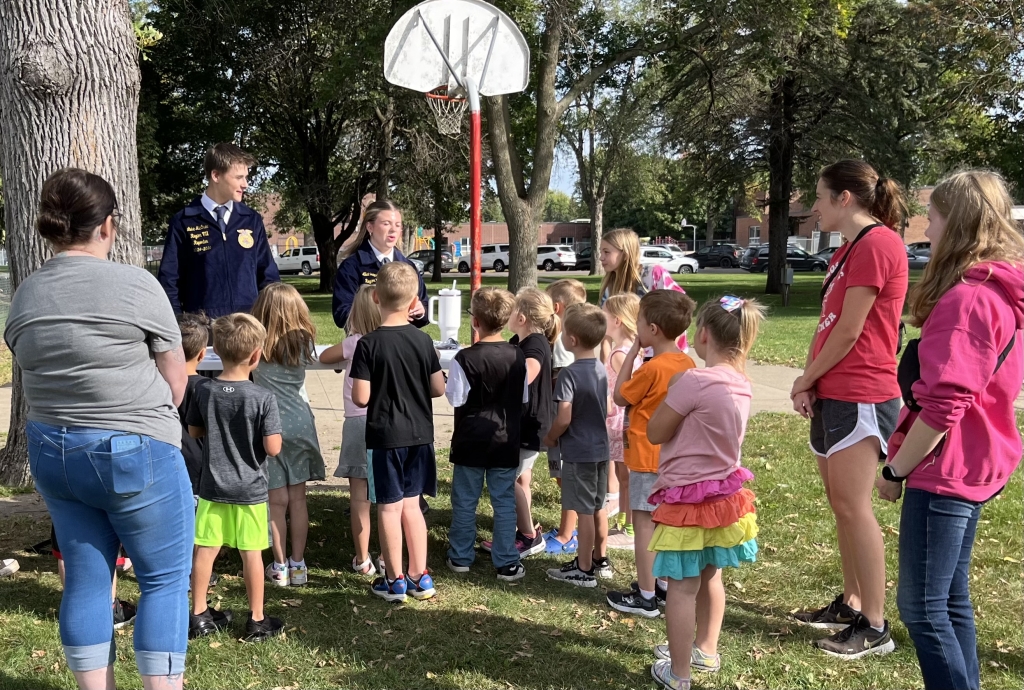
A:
(1006, 352)
(839, 266)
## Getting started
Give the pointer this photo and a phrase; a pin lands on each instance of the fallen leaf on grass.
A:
(294, 603)
(214, 645)
(480, 607)
(1010, 560)
(555, 633)
(38, 653)
(368, 622)
(399, 657)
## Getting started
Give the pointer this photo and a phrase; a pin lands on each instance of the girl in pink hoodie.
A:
(956, 443)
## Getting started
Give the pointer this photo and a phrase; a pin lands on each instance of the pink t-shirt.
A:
(715, 404)
(348, 349)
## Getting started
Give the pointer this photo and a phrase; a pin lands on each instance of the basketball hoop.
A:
(448, 110)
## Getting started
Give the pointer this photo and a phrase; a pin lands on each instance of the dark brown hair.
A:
(881, 197)
(669, 310)
(587, 323)
(492, 307)
(222, 156)
(72, 205)
(195, 333)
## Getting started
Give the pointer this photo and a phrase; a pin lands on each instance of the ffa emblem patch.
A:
(245, 238)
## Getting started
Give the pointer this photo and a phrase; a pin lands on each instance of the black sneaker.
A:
(660, 593)
(836, 616)
(511, 573)
(528, 546)
(207, 623)
(124, 613)
(424, 506)
(634, 603)
(858, 640)
(257, 631)
(571, 573)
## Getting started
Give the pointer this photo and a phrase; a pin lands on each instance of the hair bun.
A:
(54, 224)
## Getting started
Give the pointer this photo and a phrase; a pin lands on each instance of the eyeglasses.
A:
(116, 216)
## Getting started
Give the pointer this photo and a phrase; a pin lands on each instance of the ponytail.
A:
(539, 310)
(880, 196)
(553, 329)
(732, 323)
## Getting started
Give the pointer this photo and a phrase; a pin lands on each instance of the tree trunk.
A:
(69, 96)
(709, 228)
(386, 162)
(323, 236)
(596, 208)
(780, 172)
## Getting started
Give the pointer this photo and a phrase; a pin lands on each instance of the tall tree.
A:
(66, 102)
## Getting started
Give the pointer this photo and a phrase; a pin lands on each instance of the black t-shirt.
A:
(398, 361)
(191, 448)
(486, 432)
(539, 412)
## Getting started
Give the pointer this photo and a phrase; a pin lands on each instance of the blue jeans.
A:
(936, 537)
(141, 498)
(467, 487)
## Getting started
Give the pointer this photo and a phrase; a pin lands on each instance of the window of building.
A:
(755, 235)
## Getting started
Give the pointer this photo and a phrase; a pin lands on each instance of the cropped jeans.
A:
(140, 498)
(936, 538)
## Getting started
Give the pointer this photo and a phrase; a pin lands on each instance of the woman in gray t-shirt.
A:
(103, 372)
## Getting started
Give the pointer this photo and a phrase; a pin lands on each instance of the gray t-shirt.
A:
(236, 416)
(584, 383)
(84, 331)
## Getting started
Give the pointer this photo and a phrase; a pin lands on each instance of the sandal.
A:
(364, 568)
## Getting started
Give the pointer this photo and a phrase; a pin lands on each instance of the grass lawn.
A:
(482, 634)
(783, 340)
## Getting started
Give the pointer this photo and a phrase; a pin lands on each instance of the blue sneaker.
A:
(390, 590)
(423, 588)
(557, 548)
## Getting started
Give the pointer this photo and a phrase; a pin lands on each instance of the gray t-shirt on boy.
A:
(584, 383)
(84, 331)
(236, 416)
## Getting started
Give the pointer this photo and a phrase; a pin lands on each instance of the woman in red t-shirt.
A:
(850, 392)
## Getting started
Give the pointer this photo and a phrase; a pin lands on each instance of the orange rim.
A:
(441, 94)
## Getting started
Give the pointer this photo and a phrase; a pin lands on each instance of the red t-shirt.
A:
(868, 372)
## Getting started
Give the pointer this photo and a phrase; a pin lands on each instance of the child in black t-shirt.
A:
(395, 372)
(241, 426)
(195, 334)
(487, 388)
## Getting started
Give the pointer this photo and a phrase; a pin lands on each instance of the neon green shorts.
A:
(238, 526)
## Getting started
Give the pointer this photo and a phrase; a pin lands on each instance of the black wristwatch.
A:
(890, 476)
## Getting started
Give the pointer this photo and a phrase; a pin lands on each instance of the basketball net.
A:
(448, 111)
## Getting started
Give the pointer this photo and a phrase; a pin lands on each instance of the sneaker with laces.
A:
(390, 590)
(603, 568)
(277, 574)
(633, 602)
(836, 616)
(421, 588)
(297, 574)
(699, 661)
(553, 547)
(258, 631)
(208, 622)
(456, 567)
(618, 539)
(571, 573)
(857, 641)
(661, 671)
(660, 593)
(511, 573)
(528, 546)
(124, 613)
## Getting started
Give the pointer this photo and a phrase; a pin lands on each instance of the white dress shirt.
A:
(211, 206)
(390, 256)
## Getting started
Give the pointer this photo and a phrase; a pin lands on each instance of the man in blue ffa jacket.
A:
(216, 256)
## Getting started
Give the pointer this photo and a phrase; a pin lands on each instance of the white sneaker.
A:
(277, 574)
(8, 567)
(297, 573)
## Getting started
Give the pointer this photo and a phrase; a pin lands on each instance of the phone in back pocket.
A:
(120, 444)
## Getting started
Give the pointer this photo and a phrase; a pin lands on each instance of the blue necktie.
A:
(384, 260)
(221, 210)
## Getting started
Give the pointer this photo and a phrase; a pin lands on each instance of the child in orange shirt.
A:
(664, 316)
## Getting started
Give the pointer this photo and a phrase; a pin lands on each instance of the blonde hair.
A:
(567, 291)
(364, 316)
(626, 276)
(587, 323)
(492, 307)
(669, 310)
(979, 229)
(539, 310)
(369, 215)
(291, 335)
(397, 283)
(625, 306)
(733, 331)
(237, 336)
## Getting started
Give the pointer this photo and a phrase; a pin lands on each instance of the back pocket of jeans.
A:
(125, 472)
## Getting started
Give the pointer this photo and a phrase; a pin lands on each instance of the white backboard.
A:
(479, 40)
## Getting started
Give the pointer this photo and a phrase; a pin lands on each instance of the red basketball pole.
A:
(474, 190)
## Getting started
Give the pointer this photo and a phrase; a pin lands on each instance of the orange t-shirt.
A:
(644, 392)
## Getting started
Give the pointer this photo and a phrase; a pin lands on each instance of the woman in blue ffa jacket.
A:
(373, 247)
(216, 256)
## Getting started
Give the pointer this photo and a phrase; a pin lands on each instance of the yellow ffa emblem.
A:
(245, 238)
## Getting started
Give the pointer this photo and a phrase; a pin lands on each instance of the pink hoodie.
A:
(960, 343)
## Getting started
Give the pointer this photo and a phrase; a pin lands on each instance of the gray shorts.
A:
(526, 460)
(554, 463)
(352, 462)
(837, 425)
(584, 486)
(640, 486)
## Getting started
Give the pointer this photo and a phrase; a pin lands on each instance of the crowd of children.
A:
(634, 434)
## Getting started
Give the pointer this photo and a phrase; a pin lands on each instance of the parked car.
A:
(427, 257)
(918, 259)
(552, 256)
(654, 254)
(494, 256)
(417, 263)
(755, 260)
(720, 255)
(920, 248)
(584, 259)
(827, 253)
(303, 260)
